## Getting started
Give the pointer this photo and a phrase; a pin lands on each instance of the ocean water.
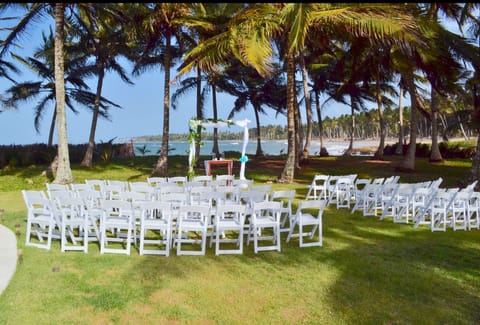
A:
(334, 148)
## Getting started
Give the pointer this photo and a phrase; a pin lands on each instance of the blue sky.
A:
(141, 112)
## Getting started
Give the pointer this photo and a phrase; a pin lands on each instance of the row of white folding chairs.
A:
(373, 196)
(456, 208)
(95, 211)
(335, 189)
(344, 190)
(62, 217)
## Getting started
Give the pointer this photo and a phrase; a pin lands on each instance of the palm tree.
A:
(42, 64)
(155, 27)
(63, 172)
(101, 37)
(247, 86)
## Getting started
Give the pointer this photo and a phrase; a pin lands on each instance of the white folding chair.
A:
(318, 187)
(155, 228)
(265, 226)
(343, 188)
(41, 220)
(308, 223)
(228, 227)
(74, 222)
(459, 210)
(440, 209)
(192, 229)
(473, 210)
(116, 226)
(358, 192)
(286, 197)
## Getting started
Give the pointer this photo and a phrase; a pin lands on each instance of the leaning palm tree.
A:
(43, 91)
(247, 86)
(101, 36)
(33, 12)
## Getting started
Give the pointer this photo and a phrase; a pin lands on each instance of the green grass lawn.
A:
(367, 272)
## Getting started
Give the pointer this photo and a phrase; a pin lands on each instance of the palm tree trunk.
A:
(199, 116)
(63, 172)
(52, 128)
(474, 173)
(308, 109)
(259, 152)
(299, 135)
(401, 136)
(88, 158)
(460, 124)
(408, 162)
(349, 150)
(288, 171)
(435, 154)
(381, 119)
(161, 167)
(215, 149)
(323, 150)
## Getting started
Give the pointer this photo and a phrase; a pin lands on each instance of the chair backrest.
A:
(122, 184)
(57, 187)
(116, 206)
(193, 212)
(360, 184)
(140, 187)
(155, 181)
(222, 180)
(312, 205)
(199, 195)
(60, 193)
(30, 196)
(76, 187)
(91, 198)
(177, 179)
(202, 178)
(176, 199)
(156, 210)
(378, 180)
(266, 208)
(112, 192)
(96, 184)
(230, 211)
(133, 196)
(251, 196)
(320, 180)
(230, 192)
(170, 188)
(284, 196)
(70, 207)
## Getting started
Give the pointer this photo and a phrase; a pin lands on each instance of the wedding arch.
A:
(193, 125)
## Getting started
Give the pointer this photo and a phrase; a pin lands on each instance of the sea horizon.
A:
(269, 147)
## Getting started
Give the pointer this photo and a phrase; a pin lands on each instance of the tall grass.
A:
(367, 272)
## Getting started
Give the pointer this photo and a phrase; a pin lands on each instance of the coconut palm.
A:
(155, 27)
(33, 11)
(247, 86)
(99, 35)
(41, 64)
(256, 25)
